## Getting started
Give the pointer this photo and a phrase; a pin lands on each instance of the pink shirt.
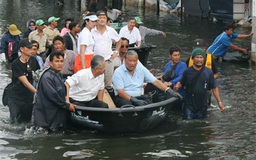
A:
(64, 31)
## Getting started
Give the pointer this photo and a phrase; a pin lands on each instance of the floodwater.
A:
(221, 136)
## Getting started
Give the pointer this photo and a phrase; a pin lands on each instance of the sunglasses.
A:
(122, 46)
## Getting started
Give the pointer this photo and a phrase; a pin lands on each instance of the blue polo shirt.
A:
(181, 66)
(132, 84)
(221, 44)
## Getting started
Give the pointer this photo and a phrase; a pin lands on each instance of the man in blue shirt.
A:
(128, 82)
(223, 41)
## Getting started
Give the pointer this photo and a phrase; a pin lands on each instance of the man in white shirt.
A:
(132, 33)
(114, 14)
(104, 36)
(86, 87)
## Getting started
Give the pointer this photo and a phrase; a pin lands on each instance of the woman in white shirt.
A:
(85, 43)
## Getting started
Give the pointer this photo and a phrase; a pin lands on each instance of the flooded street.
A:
(230, 135)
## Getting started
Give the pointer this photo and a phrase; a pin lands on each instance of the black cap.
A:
(101, 13)
(25, 43)
(109, 7)
(199, 43)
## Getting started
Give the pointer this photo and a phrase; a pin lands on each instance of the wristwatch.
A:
(117, 52)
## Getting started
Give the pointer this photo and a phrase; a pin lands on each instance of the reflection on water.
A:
(227, 135)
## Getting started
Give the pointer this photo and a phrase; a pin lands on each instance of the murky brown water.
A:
(229, 135)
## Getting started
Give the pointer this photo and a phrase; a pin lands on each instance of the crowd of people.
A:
(78, 63)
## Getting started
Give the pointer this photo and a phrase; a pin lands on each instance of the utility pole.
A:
(253, 44)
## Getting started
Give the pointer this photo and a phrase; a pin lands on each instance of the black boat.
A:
(236, 57)
(127, 119)
(143, 52)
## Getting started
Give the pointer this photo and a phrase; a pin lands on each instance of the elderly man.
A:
(131, 32)
(197, 80)
(86, 87)
(128, 82)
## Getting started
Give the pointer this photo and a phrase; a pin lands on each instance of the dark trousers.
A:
(189, 114)
(119, 102)
(91, 103)
(20, 111)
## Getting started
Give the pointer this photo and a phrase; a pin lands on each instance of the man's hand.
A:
(72, 108)
(245, 51)
(137, 102)
(164, 34)
(173, 94)
(221, 106)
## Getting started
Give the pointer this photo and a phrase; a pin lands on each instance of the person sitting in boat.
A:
(50, 108)
(86, 87)
(131, 32)
(114, 14)
(69, 59)
(128, 82)
(118, 61)
(146, 31)
(223, 41)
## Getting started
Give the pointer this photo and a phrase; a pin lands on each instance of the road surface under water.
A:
(229, 135)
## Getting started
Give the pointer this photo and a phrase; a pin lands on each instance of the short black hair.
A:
(101, 12)
(72, 25)
(58, 38)
(125, 39)
(34, 41)
(68, 19)
(229, 26)
(174, 48)
(109, 7)
(55, 54)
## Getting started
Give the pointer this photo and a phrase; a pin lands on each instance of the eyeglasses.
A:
(122, 46)
(31, 25)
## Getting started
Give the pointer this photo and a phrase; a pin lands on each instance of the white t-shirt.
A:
(133, 36)
(103, 42)
(85, 38)
(113, 15)
(84, 86)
